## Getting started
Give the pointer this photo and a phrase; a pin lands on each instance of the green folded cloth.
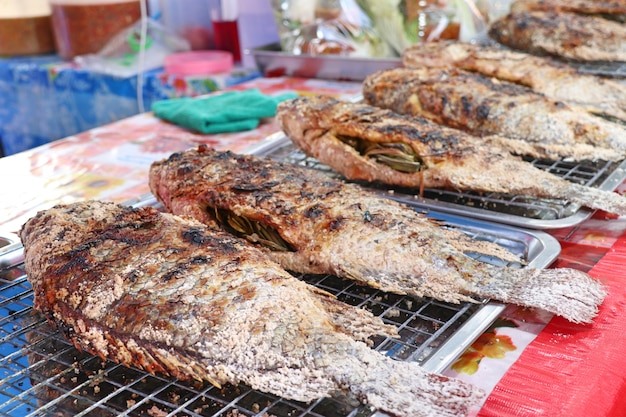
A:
(226, 112)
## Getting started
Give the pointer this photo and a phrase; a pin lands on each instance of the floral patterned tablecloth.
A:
(524, 360)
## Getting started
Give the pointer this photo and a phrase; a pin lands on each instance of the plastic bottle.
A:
(25, 27)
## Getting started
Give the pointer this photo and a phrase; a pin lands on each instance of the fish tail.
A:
(566, 292)
(595, 198)
(405, 389)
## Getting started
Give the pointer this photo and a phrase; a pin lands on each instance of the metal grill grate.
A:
(41, 374)
(519, 211)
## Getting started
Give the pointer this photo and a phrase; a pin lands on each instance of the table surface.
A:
(542, 366)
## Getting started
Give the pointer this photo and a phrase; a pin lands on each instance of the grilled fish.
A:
(611, 9)
(545, 75)
(561, 34)
(484, 106)
(311, 223)
(169, 295)
(370, 144)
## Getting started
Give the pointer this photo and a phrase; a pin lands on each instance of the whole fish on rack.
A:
(570, 36)
(610, 9)
(545, 75)
(367, 143)
(484, 106)
(169, 295)
(311, 223)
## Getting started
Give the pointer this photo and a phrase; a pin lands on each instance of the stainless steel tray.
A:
(8, 242)
(41, 374)
(520, 211)
(271, 61)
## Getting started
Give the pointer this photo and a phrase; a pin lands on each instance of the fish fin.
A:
(577, 152)
(595, 198)
(357, 323)
(466, 244)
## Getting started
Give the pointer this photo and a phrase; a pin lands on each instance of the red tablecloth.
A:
(573, 370)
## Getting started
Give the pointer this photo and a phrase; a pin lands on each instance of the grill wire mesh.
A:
(41, 374)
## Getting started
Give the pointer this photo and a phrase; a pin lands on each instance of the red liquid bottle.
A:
(226, 37)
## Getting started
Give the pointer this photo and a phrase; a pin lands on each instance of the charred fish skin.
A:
(449, 158)
(564, 35)
(168, 295)
(304, 206)
(341, 229)
(481, 106)
(545, 75)
(612, 9)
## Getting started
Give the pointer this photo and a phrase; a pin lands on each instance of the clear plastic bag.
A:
(327, 27)
(406, 22)
(123, 55)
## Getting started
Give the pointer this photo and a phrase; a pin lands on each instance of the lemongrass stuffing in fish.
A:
(333, 227)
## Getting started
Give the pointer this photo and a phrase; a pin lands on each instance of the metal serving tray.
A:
(272, 61)
(41, 374)
(8, 241)
(520, 211)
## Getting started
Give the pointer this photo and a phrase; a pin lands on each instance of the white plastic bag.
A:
(123, 56)
(327, 27)
(403, 23)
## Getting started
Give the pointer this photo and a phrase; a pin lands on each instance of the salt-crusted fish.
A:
(371, 144)
(311, 223)
(611, 9)
(561, 34)
(167, 294)
(552, 78)
(485, 106)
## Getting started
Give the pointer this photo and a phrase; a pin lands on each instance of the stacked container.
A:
(25, 27)
(85, 26)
